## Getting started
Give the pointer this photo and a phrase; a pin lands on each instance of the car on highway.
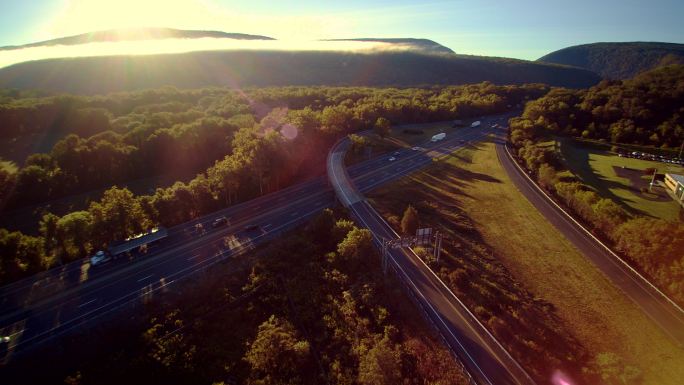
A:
(392, 159)
(416, 148)
(99, 258)
(220, 221)
(396, 153)
(251, 227)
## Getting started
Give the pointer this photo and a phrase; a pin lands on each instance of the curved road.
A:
(36, 309)
(665, 313)
(483, 356)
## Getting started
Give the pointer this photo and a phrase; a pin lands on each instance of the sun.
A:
(79, 16)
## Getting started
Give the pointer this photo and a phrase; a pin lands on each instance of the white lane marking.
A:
(294, 214)
(87, 303)
(194, 256)
(144, 278)
(15, 333)
(267, 226)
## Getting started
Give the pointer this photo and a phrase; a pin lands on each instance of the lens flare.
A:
(289, 131)
(560, 378)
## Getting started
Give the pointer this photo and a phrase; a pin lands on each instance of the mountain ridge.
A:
(618, 60)
(134, 34)
(245, 68)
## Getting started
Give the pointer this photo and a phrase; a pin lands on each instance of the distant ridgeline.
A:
(618, 60)
(97, 75)
(133, 34)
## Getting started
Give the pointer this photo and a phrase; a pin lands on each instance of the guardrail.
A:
(405, 279)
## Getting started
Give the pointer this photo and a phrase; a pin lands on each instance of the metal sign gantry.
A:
(423, 237)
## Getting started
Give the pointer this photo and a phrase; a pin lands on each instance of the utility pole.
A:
(385, 251)
(437, 249)
(439, 246)
(650, 186)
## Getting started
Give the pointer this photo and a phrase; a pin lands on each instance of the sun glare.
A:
(80, 16)
(169, 46)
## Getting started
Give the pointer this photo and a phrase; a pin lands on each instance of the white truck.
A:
(438, 137)
(475, 124)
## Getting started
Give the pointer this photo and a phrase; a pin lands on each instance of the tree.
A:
(380, 365)
(74, 231)
(118, 215)
(546, 175)
(357, 245)
(322, 226)
(409, 222)
(382, 127)
(19, 254)
(48, 230)
(358, 142)
(167, 344)
(8, 178)
(276, 355)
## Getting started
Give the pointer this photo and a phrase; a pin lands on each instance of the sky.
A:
(524, 29)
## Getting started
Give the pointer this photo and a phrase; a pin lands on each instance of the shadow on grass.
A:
(523, 323)
(577, 161)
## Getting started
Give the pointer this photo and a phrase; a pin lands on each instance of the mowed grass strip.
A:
(621, 179)
(594, 311)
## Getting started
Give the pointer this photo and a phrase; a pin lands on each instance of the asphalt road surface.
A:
(659, 308)
(39, 308)
(484, 358)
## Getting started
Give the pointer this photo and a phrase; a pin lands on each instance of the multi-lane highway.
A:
(664, 312)
(483, 356)
(36, 309)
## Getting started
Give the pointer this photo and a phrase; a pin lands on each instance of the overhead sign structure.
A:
(423, 236)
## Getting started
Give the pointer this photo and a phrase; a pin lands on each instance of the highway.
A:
(37, 309)
(483, 356)
(665, 313)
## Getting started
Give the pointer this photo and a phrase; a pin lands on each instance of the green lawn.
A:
(621, 179)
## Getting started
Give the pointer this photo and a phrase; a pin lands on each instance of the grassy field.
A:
(621, 179)
(471, 189)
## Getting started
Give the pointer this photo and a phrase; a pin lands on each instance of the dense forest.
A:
(242, 144)
(312, 308)
(251, 68)
(647, 109)
(618, 60)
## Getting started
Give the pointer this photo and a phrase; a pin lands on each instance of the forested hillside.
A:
(618, 60)
(241, 144)
(97, 75)
(646, 110)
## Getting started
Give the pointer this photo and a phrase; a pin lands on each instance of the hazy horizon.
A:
(525, 30)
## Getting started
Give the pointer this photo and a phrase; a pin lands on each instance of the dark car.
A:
(218, 222)
(251, 227)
